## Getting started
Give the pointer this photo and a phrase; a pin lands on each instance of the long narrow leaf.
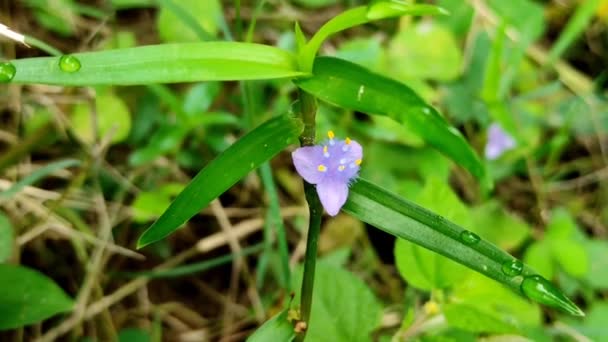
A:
(576, 25)
(407, 220)
(165, 63)
(361, 15)
(36, 176)
(353, 87)
(244, 156)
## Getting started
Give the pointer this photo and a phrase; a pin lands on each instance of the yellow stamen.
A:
(322, 168)
(358, 161)
(341, 167)
(330, 134)
(347, 141)
(325, 149)
(431, 308)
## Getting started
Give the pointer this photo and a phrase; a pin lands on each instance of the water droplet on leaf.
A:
(512, 267)
(68, 63)
(541, 290)
(469, 238)
(7, 72)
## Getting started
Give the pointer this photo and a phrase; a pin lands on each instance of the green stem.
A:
(42, 46)
(308, 109)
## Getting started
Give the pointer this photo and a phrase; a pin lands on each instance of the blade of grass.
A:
(407, 220)
(576, 25)
(187, 19)
(165, 63)
(37, 175)
(219, 175)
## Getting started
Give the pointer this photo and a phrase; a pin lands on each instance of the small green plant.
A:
(329, 169)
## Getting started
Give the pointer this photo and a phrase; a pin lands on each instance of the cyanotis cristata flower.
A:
(498, 143)
(330, 166)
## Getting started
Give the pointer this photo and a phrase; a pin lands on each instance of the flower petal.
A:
(307, 160)
(499, 142)
(332, 194)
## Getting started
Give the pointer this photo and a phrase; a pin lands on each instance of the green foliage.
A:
(421, 267)
(350, 86)
(6, 238)
(166, 63)
(244, 156)
(278, 328)
(27, 297)
(478, 304)
(548, 254)
(112, 116)
(188, 20)
(344, 308)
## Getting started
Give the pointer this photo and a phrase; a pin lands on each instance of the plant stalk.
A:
(308, 110)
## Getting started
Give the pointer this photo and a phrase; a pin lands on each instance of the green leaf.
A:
(36, 176)
(576, 25)
(409, 221)
(421, 267)
(315, 3)
(343, 307)
(244, 156)
(358, 16)
(538, 256)
(7, 236)
(112, 115)
(598, 269)
(594, 325)
(278, 328)
(167, 63)
(188, 20)
(481, 305)
(498, 226)
(350, 86)
(133, 335)
(27, 296)
(410, 56)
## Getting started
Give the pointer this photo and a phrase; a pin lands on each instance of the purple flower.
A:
(499, 142)
(331, 167)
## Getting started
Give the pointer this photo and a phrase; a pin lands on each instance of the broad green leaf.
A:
(498, 226)
(571, 256)
(350, 86)
(577, 24)
(278, 328)
(344, 308)
(421, 267)
(7, 236)
(149, 205)
(360, 15)
(409, 221)
(112, 115)
(598, 268)
(166, 63)
(37, 175)
(188, 20)
(259, 145)
(594, 325)
(27, 296)
(538, 256)
(481, 305)
(410, 56)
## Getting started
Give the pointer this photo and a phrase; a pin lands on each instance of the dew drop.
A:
(541, 290)
(512, 267)
(68, 63)
(469, 238)
(7, 72)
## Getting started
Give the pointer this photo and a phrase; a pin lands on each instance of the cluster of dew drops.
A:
(67, 64)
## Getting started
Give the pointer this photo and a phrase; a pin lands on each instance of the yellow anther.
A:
(322, 168)
(330, 134)
(358, 161)
(347, 141)
(341, 167)
(325, 149)
(431, 308)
